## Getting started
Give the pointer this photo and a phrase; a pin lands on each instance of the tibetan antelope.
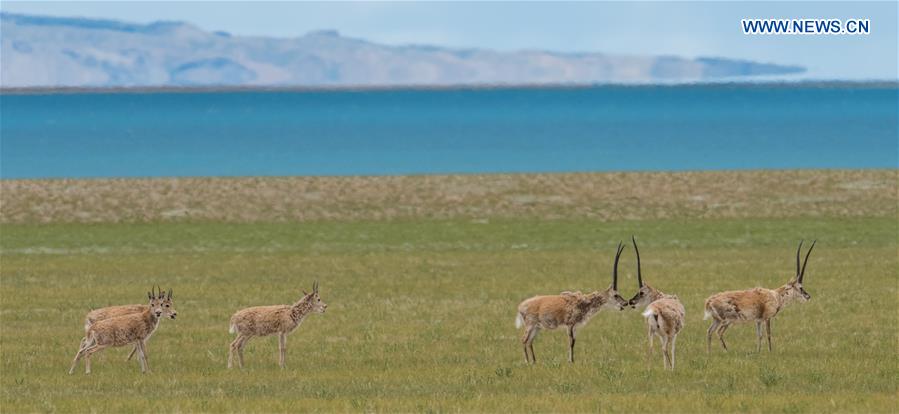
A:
(113, 311)
(270, 320)
(759, 305)
(664, 314)
(123, 330)
(568, 309)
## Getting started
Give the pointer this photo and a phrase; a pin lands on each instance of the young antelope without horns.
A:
(759, 305)
(664, 314)
(269, 320)
(123, 330)
(113, 311)
(569, 309)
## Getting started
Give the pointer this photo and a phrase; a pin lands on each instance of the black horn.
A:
(637, 251)
(159, 293)
(170, 293)
(615, 269)
(798, 252)
(805, 262)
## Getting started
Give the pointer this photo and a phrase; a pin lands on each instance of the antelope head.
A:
(168, 307)
(155, 299)
(314, 299)
(610, 296)
(794, 290)
(645, 294)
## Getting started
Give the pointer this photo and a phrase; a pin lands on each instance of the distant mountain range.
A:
(42, 51)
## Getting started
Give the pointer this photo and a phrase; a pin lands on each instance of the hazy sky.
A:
(687, 29)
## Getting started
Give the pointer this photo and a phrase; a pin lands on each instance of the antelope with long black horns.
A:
(664, 314)
(567, 309)
(758, 305)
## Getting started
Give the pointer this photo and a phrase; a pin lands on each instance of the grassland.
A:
(421, 300)
(604, 197)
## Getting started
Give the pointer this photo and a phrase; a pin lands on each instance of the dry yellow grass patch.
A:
(602, 196)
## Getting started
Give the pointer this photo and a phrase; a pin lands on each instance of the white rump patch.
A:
(653, 320)
(519, 321)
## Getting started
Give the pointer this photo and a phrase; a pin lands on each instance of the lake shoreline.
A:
(50, 90)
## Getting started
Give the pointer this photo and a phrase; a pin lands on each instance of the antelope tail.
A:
(652, 318)
(232, 329)
(519, 321)
(708, 311)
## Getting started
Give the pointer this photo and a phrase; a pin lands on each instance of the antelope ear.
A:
(304, 293)
(149, 296)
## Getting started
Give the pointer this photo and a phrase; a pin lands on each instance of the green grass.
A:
(421, 316)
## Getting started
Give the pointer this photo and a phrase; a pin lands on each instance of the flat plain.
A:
(422, 276)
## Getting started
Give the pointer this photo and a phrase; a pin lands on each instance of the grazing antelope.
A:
(123, 330)
(270, 320)
(759, 305)
(113, 311)
(664, 314)
(568, 309)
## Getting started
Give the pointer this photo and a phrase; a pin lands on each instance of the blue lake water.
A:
(647, 128)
